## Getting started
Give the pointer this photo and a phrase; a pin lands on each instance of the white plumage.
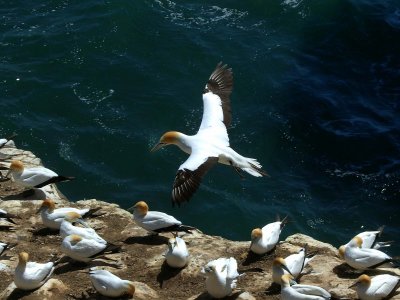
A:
(31, 275)
(109, 284)
(67, 228)
(80, 248)
(177, 255)
(377, 287)
(210, 145)
(52, 217)
(301, 291)
(221, 276)
(265, 239)
(364, 258)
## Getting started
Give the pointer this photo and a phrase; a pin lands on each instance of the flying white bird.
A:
(177, 255)
(265, 239)
(31, 275)
(85, 250)
(364, 258)
(210, 145)
(301, 291)
(52, 217)
(36, 177)
(155, 221)
(293, 265)
(67, 228)
(377, 287)
(370, 240)
(9, 217)
(110, 285)
(221, 276)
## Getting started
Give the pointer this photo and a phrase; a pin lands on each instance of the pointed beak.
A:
(8, 173)
(40, 209)
(287, 269)
(131, 209)
(83, 223)
(353, 285)
(157, 147)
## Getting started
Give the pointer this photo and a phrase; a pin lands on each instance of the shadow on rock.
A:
(167, 273)
(345, 271)
(253, 257)
(206, 296)
(274, 289)
(19, 294)
(152, 240)
(74, 265)
(32, 194)
(44, 231)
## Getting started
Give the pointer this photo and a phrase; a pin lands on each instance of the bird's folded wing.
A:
(216, 102)
(189, 175)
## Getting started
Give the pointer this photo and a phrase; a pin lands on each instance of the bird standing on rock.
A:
(156, 222)
(36, 177)
(177, 255)
(210, 145)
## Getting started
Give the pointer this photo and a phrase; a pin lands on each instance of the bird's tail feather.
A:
(255, 168)
(92, 213)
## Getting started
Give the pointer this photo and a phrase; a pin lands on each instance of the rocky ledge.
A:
(141, 259)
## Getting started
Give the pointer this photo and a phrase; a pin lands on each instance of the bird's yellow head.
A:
(23, 257)
(72, 216)
(168, 138)
(285, 279)
(341, 251)
(364, 280)
(357, 241)
(140, 208)
(17, 166)
(130, 288)
(74, 239)
(256, 234)
(279, 261)
(49, 204)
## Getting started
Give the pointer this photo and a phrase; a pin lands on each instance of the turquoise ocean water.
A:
(90, 86)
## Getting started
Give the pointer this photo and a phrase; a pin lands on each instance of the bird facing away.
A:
(364, 258)
(36, 177)
(156, 222)
(67, 228)
(210, 145)
(31, 275)
(221, 276)
(9, 217)
(370, 240)
(110, 285)
(85, 250)
(177, 255)
(377, 287)
(301, 291)
(52, 216)
(265, 239)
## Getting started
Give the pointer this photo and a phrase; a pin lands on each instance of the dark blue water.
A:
(90, 86)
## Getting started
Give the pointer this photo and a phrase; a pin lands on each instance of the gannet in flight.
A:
(211, 143)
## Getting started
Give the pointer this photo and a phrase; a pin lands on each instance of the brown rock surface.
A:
(141, 259)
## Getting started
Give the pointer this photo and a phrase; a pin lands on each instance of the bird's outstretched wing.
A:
(189, 175)
(216, 102)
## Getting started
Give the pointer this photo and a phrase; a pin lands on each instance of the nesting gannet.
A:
(293, 264)
(67, 228)
(211, 143)
(301, 291)
(370, 240)
(9, 217)
(265, 239)
(110, 285)
(364, 258)
(377, 287)
(36, 177)
(177, 255)
(221, 276)
(31, 275)
(52, 217)
(85, 250)
(155, 221)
